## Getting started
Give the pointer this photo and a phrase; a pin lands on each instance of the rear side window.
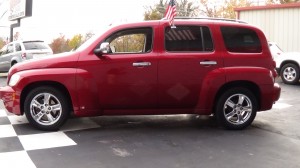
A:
(241, 40)
(188, 38)
(35, 45)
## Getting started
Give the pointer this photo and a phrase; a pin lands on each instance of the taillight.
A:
(23, 55)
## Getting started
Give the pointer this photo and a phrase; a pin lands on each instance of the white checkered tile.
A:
(45, 140)
(14, 119)
(7, 131)
(16, 160)
(3, 113)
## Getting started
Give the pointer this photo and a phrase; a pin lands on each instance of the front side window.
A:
(241, 40)
(3, 50)
(137, 40)
(188, 38)
(10, 48)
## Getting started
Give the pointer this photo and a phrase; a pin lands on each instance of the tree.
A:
(228, 10)
(187, 9)
(209, 8)
(288, 1)
(60, 45)
(16, 36)
(2, 42)
(156, 12)
(222, 9)
(75, 42)
(184, 8)
(88, 35)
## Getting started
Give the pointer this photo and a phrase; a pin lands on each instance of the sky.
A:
(50, 18)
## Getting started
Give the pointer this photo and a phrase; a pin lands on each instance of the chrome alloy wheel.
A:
(289, 74)
(45, 109)
(237, 109)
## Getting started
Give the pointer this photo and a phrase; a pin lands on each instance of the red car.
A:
(203, 66)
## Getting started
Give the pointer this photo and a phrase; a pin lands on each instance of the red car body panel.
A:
(175, 83)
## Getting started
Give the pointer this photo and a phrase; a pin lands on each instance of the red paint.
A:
(174, 83)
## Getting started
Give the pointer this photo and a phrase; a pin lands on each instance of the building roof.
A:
(267, 7)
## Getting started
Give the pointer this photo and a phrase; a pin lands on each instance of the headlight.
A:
(14, 80)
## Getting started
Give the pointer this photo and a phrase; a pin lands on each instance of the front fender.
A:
(34, 77)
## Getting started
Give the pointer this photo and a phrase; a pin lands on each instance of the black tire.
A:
(290, 74)
(228, 105)
(13, 63)
(49, 115)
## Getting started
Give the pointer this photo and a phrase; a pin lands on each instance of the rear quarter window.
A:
(241, 40)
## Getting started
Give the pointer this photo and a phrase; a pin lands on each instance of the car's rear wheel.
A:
(236, 108)
(46, 108)
(290, 74)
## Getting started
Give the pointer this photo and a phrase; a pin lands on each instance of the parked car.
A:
(203, 66)
(287, 64)
(19, 51)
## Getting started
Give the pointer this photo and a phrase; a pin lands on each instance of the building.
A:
(280, 23)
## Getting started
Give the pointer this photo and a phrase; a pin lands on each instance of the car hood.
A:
(63, 60)
(292, 54)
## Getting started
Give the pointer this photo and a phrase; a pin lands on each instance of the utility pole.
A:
(12, 26)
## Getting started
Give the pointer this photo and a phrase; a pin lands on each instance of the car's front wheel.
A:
(290, 74)
(46, 108)
(236, 108)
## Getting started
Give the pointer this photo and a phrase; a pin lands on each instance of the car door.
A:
(126, 77)
(188, 55)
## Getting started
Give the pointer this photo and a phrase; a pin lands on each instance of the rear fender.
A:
(218, 78)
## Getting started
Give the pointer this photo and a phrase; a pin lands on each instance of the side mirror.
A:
(104, 48)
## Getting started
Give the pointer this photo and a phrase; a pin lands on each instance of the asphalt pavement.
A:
(173, 141)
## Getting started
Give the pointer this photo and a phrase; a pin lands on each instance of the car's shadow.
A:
(156, 121)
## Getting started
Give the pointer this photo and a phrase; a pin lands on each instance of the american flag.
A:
(171, 12)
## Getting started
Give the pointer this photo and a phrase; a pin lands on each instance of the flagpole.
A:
(173, 25)
(171, 13)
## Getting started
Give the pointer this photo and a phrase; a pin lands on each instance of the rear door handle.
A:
(208, 63)
(141, 64)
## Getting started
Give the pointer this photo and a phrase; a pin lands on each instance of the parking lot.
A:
(273, 140)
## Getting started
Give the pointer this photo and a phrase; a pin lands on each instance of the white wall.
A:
(279, 25)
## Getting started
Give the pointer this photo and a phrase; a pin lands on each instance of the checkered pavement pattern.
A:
(17, 137)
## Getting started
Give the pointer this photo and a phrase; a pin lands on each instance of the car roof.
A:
(219, 21)
(22, 41)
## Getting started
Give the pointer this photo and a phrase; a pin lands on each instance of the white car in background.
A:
(287, 64)
(18, 51)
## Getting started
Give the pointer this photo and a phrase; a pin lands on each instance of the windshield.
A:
(275, 50)
(90, 41)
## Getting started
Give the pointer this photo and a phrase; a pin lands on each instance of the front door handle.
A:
(141, 64)
(207, 63)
